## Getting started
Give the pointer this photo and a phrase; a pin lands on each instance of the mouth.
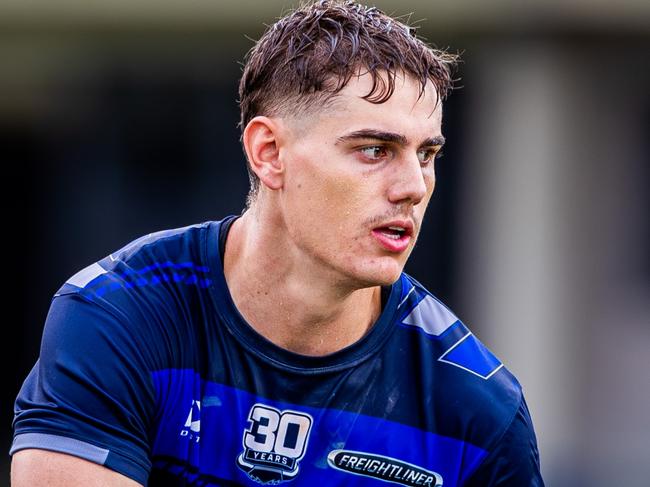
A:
(394, 236)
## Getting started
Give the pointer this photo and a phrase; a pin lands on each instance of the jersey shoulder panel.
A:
(149, 268)
(463, 371)
(168, 255)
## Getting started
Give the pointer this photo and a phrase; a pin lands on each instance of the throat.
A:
(303, 326)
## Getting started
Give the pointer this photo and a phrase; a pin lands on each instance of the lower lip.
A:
(396, 245)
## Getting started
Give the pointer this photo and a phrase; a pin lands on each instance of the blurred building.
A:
(119, 118)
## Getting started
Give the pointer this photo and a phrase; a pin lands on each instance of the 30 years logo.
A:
(274, 444)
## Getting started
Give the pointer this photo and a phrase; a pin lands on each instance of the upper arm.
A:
(514, 462)
(90, 395)
(31, 468)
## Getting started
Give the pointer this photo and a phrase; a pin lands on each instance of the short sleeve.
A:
(90, 393)
(515, 460)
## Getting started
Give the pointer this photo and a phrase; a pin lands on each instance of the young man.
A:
(285, 345)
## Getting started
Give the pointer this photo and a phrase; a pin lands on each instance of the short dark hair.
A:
(308, 56)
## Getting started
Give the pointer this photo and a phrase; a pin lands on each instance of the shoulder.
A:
(143, 262)
(153, 285)
(473, 393)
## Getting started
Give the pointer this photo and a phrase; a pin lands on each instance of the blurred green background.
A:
(119, 118)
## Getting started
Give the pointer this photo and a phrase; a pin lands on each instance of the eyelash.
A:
(436, 155)
(374, 147)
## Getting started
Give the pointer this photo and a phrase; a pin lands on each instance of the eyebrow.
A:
(389, 137)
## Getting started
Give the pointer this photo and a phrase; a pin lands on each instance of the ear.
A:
(261, 143)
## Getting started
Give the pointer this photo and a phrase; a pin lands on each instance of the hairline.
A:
(305, 104)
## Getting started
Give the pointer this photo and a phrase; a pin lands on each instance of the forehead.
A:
(408, 110)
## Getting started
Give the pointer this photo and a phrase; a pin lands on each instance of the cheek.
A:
(328, 192)
(313, 204)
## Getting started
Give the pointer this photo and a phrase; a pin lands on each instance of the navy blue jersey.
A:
(147, 367)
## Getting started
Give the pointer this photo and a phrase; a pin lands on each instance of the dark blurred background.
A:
(119, 118)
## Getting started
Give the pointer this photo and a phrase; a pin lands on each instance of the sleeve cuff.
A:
(81, 449)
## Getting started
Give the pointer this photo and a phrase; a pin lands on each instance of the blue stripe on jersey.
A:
(203, 420)
(101, 281)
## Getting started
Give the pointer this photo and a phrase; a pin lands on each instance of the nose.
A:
(410, 181)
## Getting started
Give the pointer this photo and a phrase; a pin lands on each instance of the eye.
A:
(427, 155)
(374, 152)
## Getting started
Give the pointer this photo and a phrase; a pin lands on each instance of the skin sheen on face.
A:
(358, 179)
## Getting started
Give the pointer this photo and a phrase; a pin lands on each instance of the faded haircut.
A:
(307, 57)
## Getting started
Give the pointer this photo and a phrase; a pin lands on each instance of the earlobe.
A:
(261, 143)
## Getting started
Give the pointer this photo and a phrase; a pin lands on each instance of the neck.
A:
(288, 299)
